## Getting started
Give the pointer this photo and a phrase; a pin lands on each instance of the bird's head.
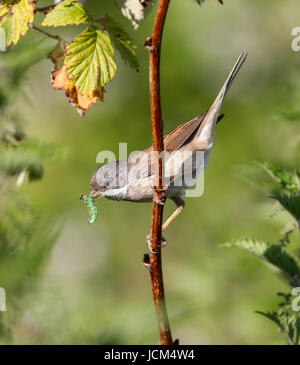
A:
(109, 178)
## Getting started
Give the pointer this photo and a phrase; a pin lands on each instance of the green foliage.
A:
(288, 323)
(273, 254)
(90, 60)
(121, 41)
(16, 62)
(291, 111)
(28, 156)
(256, 248)
(287, 186)
(291, 203)
(287, 180)
(25, 244)
(26, 239)
(68, 12)
(15, 18)
(17, 153)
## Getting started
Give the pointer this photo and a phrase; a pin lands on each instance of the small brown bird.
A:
(133, 179)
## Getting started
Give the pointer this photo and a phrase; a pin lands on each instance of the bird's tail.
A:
(206, 130)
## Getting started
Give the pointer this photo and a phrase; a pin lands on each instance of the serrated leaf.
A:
(4, 8)
(275, 255)
(82, 103)
(15, 19)
(272, 254)
(256, 248)
(288, 180)
(287, 322)
(90, 60)
(121, 41)
(291, 203)
(67, 12)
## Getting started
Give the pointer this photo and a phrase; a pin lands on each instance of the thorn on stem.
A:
(161, 197)
(146, 262)
(149, 243)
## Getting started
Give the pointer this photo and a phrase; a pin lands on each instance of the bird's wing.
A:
(180, 135)
(184, 133)
(177, 138)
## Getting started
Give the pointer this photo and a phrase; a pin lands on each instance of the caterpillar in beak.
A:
(89, 201)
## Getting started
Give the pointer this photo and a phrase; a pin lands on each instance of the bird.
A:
(132, 179)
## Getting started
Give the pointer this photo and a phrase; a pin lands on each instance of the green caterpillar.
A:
(89, 201)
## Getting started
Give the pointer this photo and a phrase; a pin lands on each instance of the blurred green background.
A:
(92, 287)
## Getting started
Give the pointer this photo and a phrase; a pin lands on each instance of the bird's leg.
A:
(161, 200)
(149, 242)
(162, 197)
(180, 205)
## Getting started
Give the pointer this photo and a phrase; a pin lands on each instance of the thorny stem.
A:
(153, 260)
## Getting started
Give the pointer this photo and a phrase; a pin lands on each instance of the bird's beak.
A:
(96, 194)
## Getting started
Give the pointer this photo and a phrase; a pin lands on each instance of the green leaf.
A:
(287, 322)
(272, 254)
(275, 255)
(30, 157)
(90, 60)
(67, 12)
(256, 248)
(288, 180)
(15, 18)
(121, 41)
(291, 203)
(4, 8)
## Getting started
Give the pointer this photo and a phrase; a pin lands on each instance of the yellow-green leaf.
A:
(4, 8)
(121, 41)
(90, 60)
(15, 18)
(66, 13)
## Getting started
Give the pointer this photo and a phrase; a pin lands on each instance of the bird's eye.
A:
(107, 185)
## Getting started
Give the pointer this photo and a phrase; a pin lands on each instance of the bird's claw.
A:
(146, 262)
(161, 196)
(149, 243)
(163, 242)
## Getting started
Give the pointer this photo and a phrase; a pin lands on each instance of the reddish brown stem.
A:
(45, 9)
(154, 47)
